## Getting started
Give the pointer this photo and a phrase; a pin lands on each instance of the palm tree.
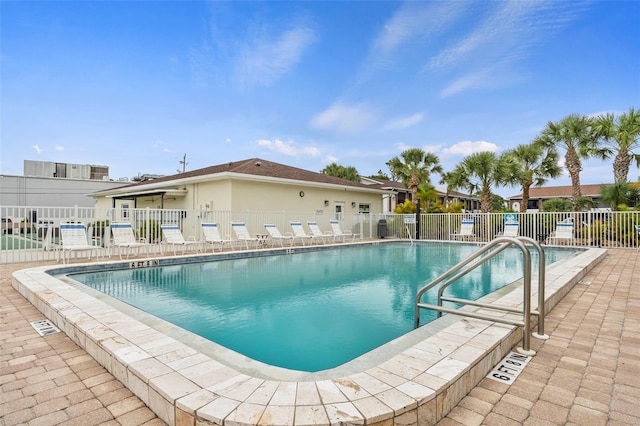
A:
(576, 136)
(535, 164)
(413, 167)
(478, 173)
(336, 170)
(621, 137)
(380, 175)
(427, 193)
(620, 193)
(445, 179)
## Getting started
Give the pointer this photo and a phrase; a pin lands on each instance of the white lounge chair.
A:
(173, 237)
(242, 234)
(300, 233)
(212, 236)
(466, 230)
(317, 232)
(276, 235)
(338, 233)
(563, 232)
(74, 237)
(123, 238)
(511, 229)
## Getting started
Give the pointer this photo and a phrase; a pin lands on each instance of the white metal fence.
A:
(32, 233)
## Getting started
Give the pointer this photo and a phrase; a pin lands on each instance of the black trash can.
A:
(382, 228)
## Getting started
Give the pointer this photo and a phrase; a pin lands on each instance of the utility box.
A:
(382, 228)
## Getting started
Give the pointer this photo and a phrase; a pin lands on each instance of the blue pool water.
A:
(306, 311)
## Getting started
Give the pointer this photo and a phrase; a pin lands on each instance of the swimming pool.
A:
(307, 311)
(415, 379)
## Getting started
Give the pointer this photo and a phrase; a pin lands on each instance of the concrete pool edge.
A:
(419, 385)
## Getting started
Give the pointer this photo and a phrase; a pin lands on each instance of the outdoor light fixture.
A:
(353, 204)
(326, 203)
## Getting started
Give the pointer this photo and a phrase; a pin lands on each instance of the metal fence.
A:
(32, 233)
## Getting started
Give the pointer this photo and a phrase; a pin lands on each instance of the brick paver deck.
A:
(587, 373)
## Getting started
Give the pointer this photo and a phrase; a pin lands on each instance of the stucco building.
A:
(249, 185)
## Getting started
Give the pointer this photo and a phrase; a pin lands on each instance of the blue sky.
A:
(136, 85)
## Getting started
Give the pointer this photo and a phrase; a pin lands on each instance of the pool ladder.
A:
(409, 234)
(486, 253)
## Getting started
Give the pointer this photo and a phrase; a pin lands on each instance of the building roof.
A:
(383, 184)
(561, 191)
(399, 187)
(255, 168)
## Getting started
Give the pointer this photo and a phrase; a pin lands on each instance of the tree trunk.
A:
(526, 187)
(413, 184)
(485, 202)
(621, 166)
(525, 198)
(574, 167)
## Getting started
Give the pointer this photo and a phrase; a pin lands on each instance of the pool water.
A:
(307, 311)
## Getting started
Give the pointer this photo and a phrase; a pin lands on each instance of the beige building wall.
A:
(267, 196)
(215, 195)
(254, 195)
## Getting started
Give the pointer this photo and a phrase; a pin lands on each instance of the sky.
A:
(138, 86)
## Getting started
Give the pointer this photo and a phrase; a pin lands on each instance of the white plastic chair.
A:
(466, 230)
(317, 232)
(212, 236)
(173, 237)
(276, 235)
(124, 238)
(74, 237)
(563, 232)
(242, 234)
(338, 233)
(300, 233)
(511, 229)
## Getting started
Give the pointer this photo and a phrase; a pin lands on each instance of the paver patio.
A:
(587, 373)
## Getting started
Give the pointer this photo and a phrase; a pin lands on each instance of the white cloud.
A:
(343, 118)
(36, 148)
(474, 80)
(409, 29)
(470, 147)
(330, 159)
(59, 148)
(404, 122)
(509, 31)
(432, 148)
(262, 61)
(416, 20)
(228, 140)
(506, 32)
(289, 148)
(402, 146)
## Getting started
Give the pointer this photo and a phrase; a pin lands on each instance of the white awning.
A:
(151, 192)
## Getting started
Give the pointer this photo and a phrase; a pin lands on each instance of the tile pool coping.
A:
(420, 384)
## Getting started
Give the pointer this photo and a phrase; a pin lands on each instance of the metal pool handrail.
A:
(466, 266)
(540, 312)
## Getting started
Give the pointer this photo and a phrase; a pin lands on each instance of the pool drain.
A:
(44, 327)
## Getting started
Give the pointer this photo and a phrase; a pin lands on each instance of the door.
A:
(339, 210)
